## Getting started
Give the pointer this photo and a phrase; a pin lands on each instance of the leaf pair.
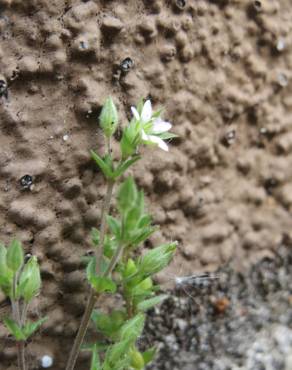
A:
(106, 165)
(99, 283)
(11, 264)
(23, 333)
(135, 225)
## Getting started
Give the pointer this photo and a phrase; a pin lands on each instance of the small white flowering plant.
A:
(20, 281)
(117, 265)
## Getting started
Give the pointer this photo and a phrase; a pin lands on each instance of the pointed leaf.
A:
(102, 284)
(149, 355)
(151, 302)
(132, 329)
(105, 168)
(14, 329)
(117, 351)
(156, 259)
(115, 226)
(127, 194)
(95, 236)
(32, 327)
(3, 254)
(15, 256)
(95, 362)
(125, 165)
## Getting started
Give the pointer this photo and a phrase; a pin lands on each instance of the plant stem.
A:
(103, 225)
(82, 331)
(16, 317)
(114, 260)
(92, 296)
(21, 355)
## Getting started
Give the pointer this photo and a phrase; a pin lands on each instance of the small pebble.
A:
(3, 88)
(282, 80)
(280, 44)
(126, 64)
(46, 361)
(26, 181)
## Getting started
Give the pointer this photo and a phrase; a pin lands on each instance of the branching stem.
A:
(93, 296)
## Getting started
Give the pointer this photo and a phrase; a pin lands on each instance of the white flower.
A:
(158, 126)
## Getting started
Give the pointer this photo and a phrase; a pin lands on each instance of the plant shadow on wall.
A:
(117, 265)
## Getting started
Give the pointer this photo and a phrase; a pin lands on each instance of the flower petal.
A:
(156, 140)
(135, 113)
(146, 112)
(160, 126)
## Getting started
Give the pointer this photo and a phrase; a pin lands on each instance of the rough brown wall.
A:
(221, 69)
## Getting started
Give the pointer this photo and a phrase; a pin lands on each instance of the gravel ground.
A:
(238, 321)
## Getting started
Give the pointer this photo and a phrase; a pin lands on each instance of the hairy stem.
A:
(92, 296)
(114, 260)
(21, 355)
(103, 225)
(82, 331)
(16, 317)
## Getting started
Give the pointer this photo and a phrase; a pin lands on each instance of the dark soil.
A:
(240, 321)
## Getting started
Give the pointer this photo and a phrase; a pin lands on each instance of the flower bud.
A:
(137, 361)
(30, 280)
(109, 118)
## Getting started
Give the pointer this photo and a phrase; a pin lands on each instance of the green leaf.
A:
(102, 284)
(142, 235)
(151, 302)
(131, 138)
(30, 280)
(110, 246)
(144, 221)
(157, 259)
(95, 361)
(149, 355)
(95, 236)
(109, 324)
(121, 169)
(15, 255)
(105, 168)
(130, 268)
(14, 329)
(31, 327)
(3, 254)
(133, 328)
(117, 351)
(109, 117)
(127, 194)
(115, 226)
(6, 275)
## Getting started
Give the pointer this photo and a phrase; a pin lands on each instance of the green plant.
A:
(114, 266)
(20, 281)
(117, 264)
